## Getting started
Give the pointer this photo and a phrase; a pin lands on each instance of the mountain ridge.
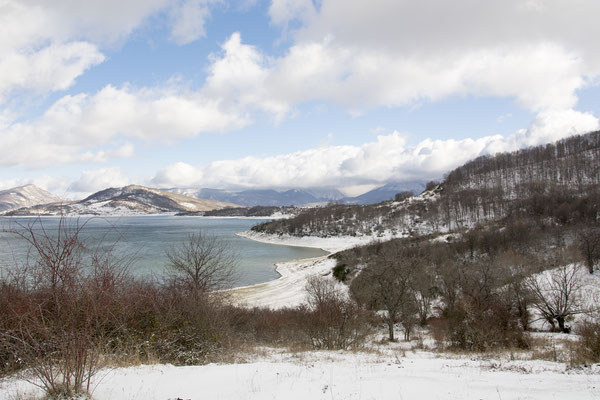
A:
(25, 196)
(127, 200)
(301, 196)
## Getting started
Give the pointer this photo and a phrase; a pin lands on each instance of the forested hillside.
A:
(559, 180)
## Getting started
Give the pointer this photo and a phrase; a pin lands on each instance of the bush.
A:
(59, 309)
(334, 320)
(340, 272)
(588, 347)
(473, 331)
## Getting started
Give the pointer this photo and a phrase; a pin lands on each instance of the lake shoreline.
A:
(288, 289)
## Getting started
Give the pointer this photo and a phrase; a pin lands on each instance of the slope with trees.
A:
(559, 180)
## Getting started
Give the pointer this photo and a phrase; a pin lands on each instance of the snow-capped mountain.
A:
(128, 200)
(25, 196)
(386, 192)
(265, 197)
(301, 197)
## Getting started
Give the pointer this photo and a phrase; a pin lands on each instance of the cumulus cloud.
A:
(282, 12)
(354, 54)
(84, 128)
(89, 181)
(389, 158)
(539, 76)
(393, 53)
(46, 45)
(94, 180)
(187, 18)
(52, 68)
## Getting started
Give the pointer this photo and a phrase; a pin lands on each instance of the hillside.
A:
(25, 196)
(559, 180)
(128, 200)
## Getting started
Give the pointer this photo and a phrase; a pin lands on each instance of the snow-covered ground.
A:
(341, 375)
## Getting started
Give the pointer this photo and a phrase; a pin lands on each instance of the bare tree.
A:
(589, 245)
(202, 264)
(387, 284)
(556, 294)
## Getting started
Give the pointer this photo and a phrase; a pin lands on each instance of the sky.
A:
(239, 94)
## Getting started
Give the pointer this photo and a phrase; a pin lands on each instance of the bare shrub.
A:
(264, 326)
(588, 347)
(59, 309)
(482, 317)
(334, 321)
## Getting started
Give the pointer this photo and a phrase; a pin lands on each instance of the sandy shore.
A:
(288, 289)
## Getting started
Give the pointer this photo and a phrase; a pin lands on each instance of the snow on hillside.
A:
(25, 196)
(125, 201)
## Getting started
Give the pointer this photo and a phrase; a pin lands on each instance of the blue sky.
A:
(284, 93)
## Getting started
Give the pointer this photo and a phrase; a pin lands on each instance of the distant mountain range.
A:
(25, 196)
(128, 200)
(386, 192)
(134, 199)
(301, 197)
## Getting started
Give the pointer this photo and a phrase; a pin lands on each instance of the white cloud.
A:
(545, 128)
(85, 128)
(355, 54)
(388, 158)
(351, 168)
(282, 12)
(239, 75)
(188, 18)
(94, 180)
(540, 76)
(53, 184)
(395, 53)
(46, 45)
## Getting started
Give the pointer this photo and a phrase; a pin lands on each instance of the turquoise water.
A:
(148, 237)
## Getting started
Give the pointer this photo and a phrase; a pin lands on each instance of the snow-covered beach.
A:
(288, 289)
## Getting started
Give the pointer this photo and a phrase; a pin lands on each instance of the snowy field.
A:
(341, 375)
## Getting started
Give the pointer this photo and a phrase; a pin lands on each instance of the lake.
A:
(148, 237)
